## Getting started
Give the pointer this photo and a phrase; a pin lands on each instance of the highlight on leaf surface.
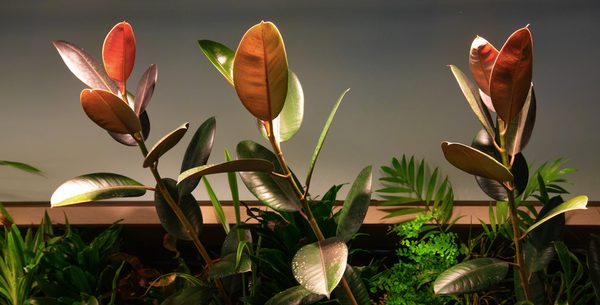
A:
(220, 56)
(169, 219)
(481, 62)
(197, 153)
(109, 111)
(96, 187)
(471, 276)
(118, 52)
(145, 89)
(577, 203)
(511, 77)
(165, 144)
(260, 71)
(244, 165)
(475, 162)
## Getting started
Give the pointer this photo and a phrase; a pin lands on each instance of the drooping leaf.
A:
(165, 144)
(145, 89)
(227, 266)
(475, 162)
(577, 203)
(109, 111)
(471, 276)
(593, 261)
(220, 56)
(519, 170)
(289, 120)
(354, 210)
(319, 266)
(322, 138)
(260, 71)
(472, 94)
(127, 139)
(21, 166)
(520, 128)
(539, 249)
(273, 191)
(169, 220)
(83, 65)
(118, 52)
(481, 61)
(297, 295)
(511, 77)
(197, 153)
(244, 165)
(96, 187)
(195, 295)
(359, 291)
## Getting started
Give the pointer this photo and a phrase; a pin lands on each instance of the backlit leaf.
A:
(220, 56)
(481, 61)
(197, 153)
(118, 52)
(96, 187)
(475, 162)
(169, 220)
(21, 166)
(471, 276)
(577, 203)
(260, 71)
(165, 144)
(109, 111)
(145, 89)
(354, 210)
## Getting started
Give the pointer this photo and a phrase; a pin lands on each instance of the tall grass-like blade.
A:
(217, 205)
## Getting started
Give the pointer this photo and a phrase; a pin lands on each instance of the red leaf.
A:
(481, 61)
(118, 52)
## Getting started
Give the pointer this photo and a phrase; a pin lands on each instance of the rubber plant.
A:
(503, 85)
(272, 93)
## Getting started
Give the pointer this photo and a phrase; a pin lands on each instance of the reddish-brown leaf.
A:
(481, 61)
(475, 162)
(109, 111)
(118, 52)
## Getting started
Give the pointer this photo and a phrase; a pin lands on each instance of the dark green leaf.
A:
(195, 295)
(297, 295)
(565, 260)
(227, 266)
(359, 291)
(537, 288)
(96, 187)
(355, 207)
(230, 245)
(475, 162)
(169, 220)
(471, 276)
(593, 261)
(22, 166)
(165, 144)
(539, 249)
(520, 128)
(197, 153)
(220, 56)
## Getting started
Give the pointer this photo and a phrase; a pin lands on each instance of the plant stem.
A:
(184, 221)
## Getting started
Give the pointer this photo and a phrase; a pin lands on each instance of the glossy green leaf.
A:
(471, 276)
(539, 249)
(297, 295)
(145, 89)
(85, 67)
(354, 210)
(472, 94)
(195, 295)
(577, 203)
(227, 266)
(21, 166)
(109, 111)
(319, 266)
(359, 291)
(127, 139)
(536, 284)
(260, 71)
(230, 244)
(593, 261)
(322, 138)
(217, 205)
(475, 162)
(481, 62)
(520, 128)
(165, 144)
(273, 191)
(118, 52)
(519, 169)
(511, 76)
(220, 56)
(245, 165)
(169, 220)
(96, 187)
(197, 153)
(565, 261)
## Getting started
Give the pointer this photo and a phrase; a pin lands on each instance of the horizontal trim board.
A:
(144, 213)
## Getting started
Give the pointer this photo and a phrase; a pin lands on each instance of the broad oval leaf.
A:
(145, 89)
(273, 191)
(471, 276)
(118, 52)
(356, 285)
(96, 186)
(227, 266)
(577, 203)
(538, 290)
(481, 62)
(297, 295)
(319, 266)
(165, 144)
(220, 56)
(475, 162)
(260, 71)
(197, 153)
(289, 120)
(245, 165)
(520, 128)
(539, 249)
(127, 139)
(356, 205)
(474, 99)
(85, 67)
(519, 169)
(109, 111)
(593, 261)
(511, 76)
(195, 295)
(169, 220)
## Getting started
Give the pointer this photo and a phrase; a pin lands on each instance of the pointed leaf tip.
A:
(475, 162)
(109, 111)
(118, 52)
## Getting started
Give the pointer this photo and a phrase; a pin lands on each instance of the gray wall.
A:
(392, 54)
